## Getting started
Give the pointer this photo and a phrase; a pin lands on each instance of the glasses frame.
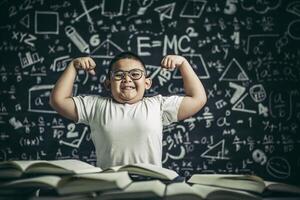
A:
(112, 73)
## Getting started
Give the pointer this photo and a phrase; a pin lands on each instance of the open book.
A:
(179, 191)
(250, 183)
(153, 189)
(149, 170)
(274, 188)
(18, 168)
(71, 184)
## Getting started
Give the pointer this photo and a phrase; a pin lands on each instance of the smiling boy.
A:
(126, 128)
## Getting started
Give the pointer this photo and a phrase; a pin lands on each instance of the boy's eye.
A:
(118, 74)
(135, 74)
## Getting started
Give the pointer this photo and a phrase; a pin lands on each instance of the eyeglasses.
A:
(134, 74)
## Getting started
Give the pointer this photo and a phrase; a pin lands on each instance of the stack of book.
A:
(77, 180)
(207, 187)
(73, 179)
(66, 179)
(243, 187)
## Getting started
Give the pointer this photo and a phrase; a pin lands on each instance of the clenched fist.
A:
(85, 63)
(172, 61)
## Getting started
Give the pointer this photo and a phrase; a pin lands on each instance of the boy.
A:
(127, 127)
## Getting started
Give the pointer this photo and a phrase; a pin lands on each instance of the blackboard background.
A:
(246, 53)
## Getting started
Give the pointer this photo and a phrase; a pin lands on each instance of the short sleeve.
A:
(85, 106)
(170, 106)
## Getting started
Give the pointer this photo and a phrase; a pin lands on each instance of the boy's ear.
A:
(148, 83)
(107, 84)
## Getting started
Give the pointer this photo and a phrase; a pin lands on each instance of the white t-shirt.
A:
(127, 133)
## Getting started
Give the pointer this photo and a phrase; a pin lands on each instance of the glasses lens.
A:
(136, 74)
(118, 75)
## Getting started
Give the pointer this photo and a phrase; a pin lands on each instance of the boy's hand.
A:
(172, 61)
(85, 63)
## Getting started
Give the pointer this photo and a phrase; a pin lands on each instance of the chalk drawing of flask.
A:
(77, 39)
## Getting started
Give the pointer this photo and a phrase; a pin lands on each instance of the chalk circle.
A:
(278, 167)
(294, 29)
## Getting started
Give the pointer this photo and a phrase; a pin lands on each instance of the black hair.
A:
(123, 55)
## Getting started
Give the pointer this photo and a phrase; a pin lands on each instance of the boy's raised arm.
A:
(195, 95)
(61, 95)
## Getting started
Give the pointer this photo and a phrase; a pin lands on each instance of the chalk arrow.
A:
(165, 11)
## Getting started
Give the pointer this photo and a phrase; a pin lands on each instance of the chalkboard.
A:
(246, 53)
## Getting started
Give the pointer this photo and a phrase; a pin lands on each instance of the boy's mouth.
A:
(127, 87)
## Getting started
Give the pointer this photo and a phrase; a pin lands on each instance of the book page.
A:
(210, 192)
(20, 164)
(282, 187)
(60, 166)
(113, 169)
(182, 190)
(40, 181)
(141, 190)
(150, 170)
(242, 182)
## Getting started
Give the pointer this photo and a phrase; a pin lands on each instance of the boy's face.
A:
(124, 82)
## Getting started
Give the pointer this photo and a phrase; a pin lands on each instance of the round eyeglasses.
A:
(134, 74)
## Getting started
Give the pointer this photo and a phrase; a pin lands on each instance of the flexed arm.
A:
(61, 95)
(195, 95)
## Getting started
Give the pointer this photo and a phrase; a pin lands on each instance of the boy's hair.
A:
(124, 55)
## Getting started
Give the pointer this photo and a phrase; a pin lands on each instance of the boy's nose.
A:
(126, 77)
